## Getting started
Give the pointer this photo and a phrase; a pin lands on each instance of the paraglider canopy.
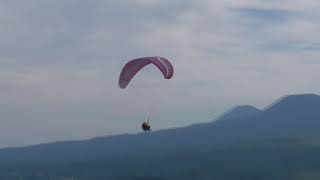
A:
(135, 65)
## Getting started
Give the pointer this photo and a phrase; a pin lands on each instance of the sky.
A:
(60, 61)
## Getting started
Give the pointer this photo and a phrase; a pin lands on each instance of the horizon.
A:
(60, 63)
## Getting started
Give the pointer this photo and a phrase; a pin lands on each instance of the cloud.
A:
(266, 15)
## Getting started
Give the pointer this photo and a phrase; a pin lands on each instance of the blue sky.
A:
(60, 61)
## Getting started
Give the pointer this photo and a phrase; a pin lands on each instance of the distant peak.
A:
(303, 95)
(238, 111)
(245, 107)
(293, 100)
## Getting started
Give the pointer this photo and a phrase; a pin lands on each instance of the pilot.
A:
(146, 126)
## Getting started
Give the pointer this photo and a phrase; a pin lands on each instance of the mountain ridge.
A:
(198, 137)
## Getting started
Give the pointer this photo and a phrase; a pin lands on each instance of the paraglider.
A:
(134, 66)
(146, 126)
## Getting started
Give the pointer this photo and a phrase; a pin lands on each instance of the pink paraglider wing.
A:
(134, 66)
(169, 67)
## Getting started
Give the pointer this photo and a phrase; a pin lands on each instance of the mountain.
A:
(295, 116)
(239, 112)
(304, 103)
